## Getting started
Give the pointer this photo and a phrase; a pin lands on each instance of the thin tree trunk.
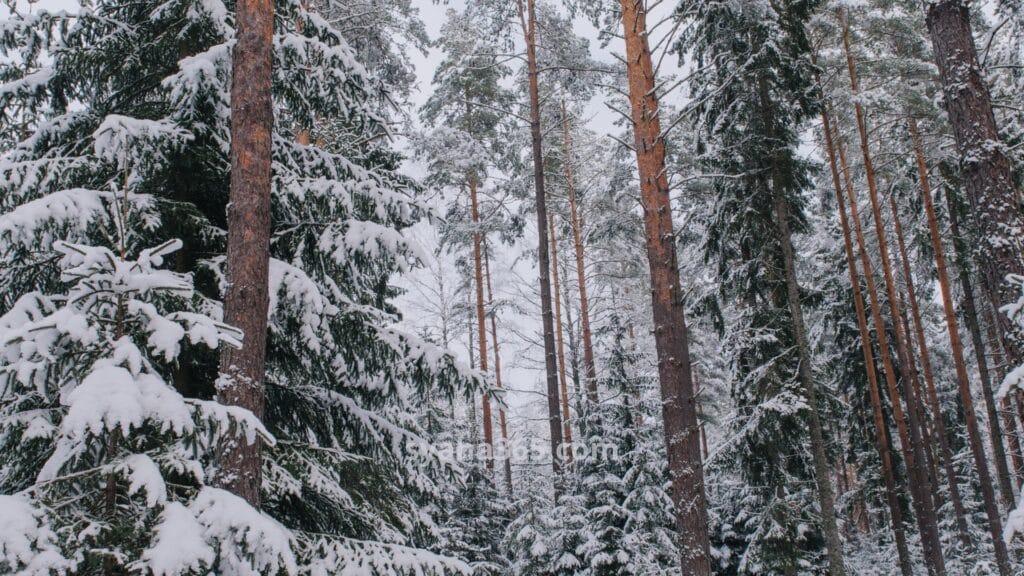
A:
(994, 198)
(941, 434)
(562, 379)
(880, 329)
(826, 499)
(481, 316)
(528, 21)
(915, 388)
(916, 466)
(474, 430)
(247, 298)
(963, 383)
(635, 373)
(1012, 438)
(962, 260)
(577, 236)
(502, 420)
(682, 432)
(700, 411)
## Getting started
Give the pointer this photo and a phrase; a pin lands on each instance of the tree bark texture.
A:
(682, 436)
(248, 255)
(985, 168)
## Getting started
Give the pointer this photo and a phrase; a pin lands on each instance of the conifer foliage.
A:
(534, 288)
(130, 103)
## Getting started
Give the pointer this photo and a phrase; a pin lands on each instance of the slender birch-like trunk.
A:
(502, 418)
(822, 477)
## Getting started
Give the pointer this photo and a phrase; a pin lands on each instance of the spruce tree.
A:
(752, 99)
(134, 99)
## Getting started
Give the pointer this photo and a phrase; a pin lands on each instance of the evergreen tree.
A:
(105, 464)
(752, 97)
(133, 99)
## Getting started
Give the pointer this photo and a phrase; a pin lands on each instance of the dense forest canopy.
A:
(525, 287)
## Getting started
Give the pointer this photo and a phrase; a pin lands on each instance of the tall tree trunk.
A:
(963, 383)
(963, 262)
(247, 298)
(481, 316)
(916, 467)
(880, 332)
(826, 499)
(562, 378)
(941, 434)
(682, 436)
(577, 236)
(994, 199)
(502, 419)
(528, 21)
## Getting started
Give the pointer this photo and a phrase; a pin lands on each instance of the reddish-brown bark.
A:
(963, 382)
(880, 329)
(577, 237)
(881, 436)
(682, 435)
(248, 255)
(920, 484)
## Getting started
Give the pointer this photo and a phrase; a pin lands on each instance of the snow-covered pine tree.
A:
(105, 466)
(136, 97)
(752, 94)
(630, 523)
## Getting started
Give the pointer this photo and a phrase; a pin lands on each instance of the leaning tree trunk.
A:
(826, 498)
(963, 383)
(248, 258)
(682, 437)
(974, 435)
(985, 169)
(941, 435)
(920, 484)
(528, 21)
(906, 447)
(874, 393)
(962, 260)
(577, 236)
